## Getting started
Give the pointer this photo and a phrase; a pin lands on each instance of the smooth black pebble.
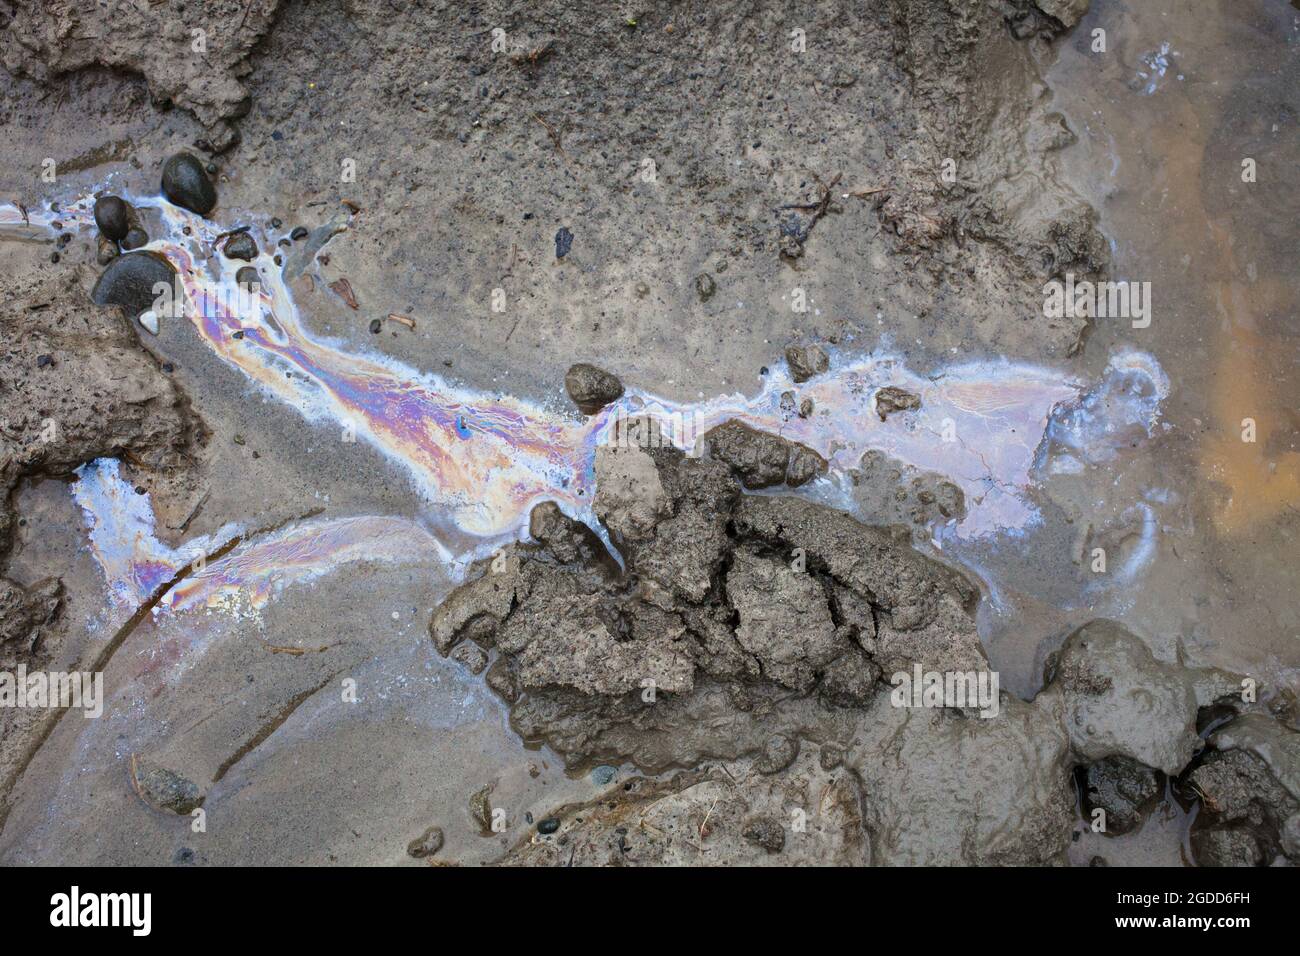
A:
(135, 238)
(113, 217)
(186, 184)
(240, 246)
(129, 280)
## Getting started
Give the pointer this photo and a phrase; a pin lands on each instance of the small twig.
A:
(184, 525)
(135, 777)
(555, 139)
(297, 651)
(705, 822)
(404, 319)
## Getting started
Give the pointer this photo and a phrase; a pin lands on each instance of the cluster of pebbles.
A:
(131, 274)
(131, 271)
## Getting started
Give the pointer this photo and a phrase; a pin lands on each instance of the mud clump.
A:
(568, 541)
(426, 844)
(591, 388)
(1247, 785)
(716, 612)
(705, 286)
(1118, 701)
(895, 493)
(806, 361)
(96, 394)
(740, 628)
(765, 832)
(946, 788)
(471, 656)
(784, 619)
(50, 38)
(760, 459)
(186, 183)
(891, 399)
(24, 611)
(1069, 12)
(1122, 788)
(1226, 847)
(129, 282)
(778, 753)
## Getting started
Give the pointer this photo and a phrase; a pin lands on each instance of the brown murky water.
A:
(1184, 93)
(1186, 97)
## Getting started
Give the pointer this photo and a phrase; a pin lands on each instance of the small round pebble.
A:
(240, 246)
(113, 217)
(135, 238)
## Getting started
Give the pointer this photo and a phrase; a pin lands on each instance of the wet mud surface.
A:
(647, 425)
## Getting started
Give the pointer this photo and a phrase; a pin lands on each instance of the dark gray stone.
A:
(186, 183)
(113, 217)
(240, 246)
(129, 282)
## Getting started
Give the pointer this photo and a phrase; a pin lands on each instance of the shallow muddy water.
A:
(1165, 118)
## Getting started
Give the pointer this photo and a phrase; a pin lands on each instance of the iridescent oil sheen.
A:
(482, 461)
